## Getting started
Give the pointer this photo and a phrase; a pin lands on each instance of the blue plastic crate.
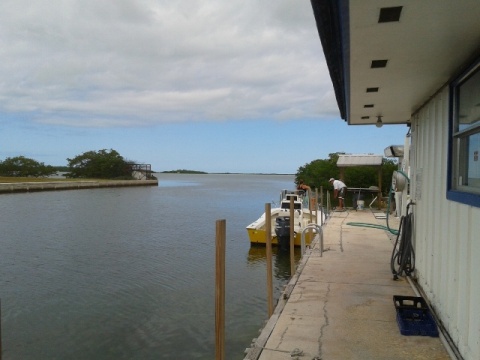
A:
(409, 302)
(414, 317)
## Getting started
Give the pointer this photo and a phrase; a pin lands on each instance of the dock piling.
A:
(268, 241)
(220, 290)
(292, 237)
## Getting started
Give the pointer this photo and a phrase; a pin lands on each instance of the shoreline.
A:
(8, 188)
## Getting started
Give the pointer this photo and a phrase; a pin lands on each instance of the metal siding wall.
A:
(447, 241)
(474, 329)
(465, 275)
(441, 242)
(453, 270)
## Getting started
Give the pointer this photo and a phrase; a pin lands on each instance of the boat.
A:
(305, 213)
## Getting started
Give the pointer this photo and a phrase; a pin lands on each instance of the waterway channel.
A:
(128, 273)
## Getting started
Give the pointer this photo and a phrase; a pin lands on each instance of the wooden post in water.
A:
(328, 202)
(220, 290)
(0, 329)
(321, 205)
(268, 242)
(311, 205)
(292, 237)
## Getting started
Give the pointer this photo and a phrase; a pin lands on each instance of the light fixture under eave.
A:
(379, 122)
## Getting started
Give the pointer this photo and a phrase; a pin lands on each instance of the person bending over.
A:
(339, 190)
(302, 186)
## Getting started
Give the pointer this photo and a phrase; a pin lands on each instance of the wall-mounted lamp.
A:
(379, 122)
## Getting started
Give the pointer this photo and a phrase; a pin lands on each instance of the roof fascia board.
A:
(345, 33)
(332, 19)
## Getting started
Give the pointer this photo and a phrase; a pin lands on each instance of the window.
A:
(464, 164)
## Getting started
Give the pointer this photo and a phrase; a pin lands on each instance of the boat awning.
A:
(345, 161)
(359, 160)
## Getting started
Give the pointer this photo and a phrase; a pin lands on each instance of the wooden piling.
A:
(328, 203)
(1, 351)
(220, 290)
(292, 237)
(322, 207)
(312, 201)
(268, 242)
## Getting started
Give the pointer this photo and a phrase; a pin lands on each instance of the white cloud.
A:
(125, 63)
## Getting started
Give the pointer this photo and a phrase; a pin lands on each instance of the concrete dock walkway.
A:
(340, 305)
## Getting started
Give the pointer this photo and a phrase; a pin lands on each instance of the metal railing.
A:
(319, 230)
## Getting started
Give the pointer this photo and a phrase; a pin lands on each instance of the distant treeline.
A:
(101, 164)
(61, 168)
(183, 171)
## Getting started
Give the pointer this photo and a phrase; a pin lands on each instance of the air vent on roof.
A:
(390, 14)
(372, 89)
(368, 106)
(365, 117)
(379, 63)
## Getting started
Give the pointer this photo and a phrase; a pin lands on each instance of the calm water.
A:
(129, 273)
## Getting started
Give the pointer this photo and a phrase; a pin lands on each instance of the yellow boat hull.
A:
(257, 237)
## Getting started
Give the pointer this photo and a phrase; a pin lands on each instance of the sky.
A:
(213, 85)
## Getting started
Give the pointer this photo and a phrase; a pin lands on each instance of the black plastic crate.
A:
(414, 317)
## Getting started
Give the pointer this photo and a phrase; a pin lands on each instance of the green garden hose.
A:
(382, 227)
(376, 226)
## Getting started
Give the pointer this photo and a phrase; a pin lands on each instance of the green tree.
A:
(388, 167)
(21, 166)
(317, 173)
(366, 176)
(102, 164)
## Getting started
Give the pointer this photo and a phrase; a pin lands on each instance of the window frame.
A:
(461, 194)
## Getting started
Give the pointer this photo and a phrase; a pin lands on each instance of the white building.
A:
(417, 62)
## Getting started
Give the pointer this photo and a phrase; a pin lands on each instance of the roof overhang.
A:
(422, 50)
(359, 160)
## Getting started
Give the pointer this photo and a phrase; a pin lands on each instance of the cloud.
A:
(86, 63)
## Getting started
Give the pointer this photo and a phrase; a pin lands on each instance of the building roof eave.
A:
(328, 17)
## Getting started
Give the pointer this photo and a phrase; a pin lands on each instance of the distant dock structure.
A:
(141, 171)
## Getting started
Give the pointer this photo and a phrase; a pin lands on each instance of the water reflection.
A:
(257, 255)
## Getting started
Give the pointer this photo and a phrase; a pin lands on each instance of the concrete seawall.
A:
(6, 188)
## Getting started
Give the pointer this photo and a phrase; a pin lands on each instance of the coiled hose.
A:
(403, 254)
